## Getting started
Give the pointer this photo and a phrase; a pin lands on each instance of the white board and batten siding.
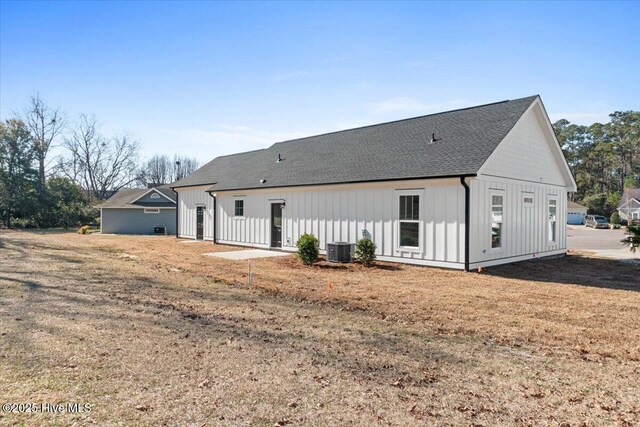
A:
(524, 165)
(525, 227)
(347, 212)
(189, 198)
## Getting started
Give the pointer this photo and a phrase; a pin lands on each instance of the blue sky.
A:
(204, 78)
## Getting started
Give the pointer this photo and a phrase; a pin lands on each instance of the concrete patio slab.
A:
(247, 254)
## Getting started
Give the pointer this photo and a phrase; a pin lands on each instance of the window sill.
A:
(413, 249)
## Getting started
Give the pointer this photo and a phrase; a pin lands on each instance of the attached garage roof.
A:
(402, 149)
(126, 198)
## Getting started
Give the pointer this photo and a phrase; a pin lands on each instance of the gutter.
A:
(467, 215)
(269, 187)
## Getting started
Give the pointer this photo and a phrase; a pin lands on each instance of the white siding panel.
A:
(344, 212)
(525, 153)
(188, 199)
(525, 229)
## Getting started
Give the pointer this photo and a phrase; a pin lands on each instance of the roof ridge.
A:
(401, 120)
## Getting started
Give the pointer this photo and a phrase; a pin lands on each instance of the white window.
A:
(634, 215)
(239, 208)
(497, 211)
(154, 196)
(409, 221)
(152, 211)
(552, 210)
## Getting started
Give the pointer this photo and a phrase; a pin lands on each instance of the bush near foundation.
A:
(307, 249)
(365, 251)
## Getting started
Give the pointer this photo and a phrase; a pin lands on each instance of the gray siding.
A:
(135, 221)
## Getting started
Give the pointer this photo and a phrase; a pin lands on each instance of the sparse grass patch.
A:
(535, 343)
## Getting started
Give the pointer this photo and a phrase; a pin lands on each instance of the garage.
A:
(575, 213)
(139, 211)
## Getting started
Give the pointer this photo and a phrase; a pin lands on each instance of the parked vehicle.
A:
(596, 221)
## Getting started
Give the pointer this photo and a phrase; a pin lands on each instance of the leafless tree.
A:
(161, 170)
(97, 163)
(183, 166)
(156, 171)
(45, 125)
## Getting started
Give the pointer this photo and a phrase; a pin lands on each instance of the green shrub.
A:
(23, 223)
(615, 218)
(84, 229)
(634, 238)
(365, 251)
(307, 249)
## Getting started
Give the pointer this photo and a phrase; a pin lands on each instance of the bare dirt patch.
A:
(149, 331)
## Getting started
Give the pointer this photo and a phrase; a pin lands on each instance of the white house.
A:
(629, 209)
(576, 213)
(474, 187)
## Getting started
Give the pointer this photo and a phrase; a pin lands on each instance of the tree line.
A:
(41, 189)
(604, 159)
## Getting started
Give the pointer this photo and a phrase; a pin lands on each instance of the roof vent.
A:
(262, 181)
(433, 138)
(279, 159)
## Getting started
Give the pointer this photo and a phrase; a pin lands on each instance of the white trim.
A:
(235, 207)
(412, 261)
(138, 207)
(540, 256)
(556, 149)
(548, 220)
(502, 193)
(410, 192)
(552, 142)
(632, 199)
(149, 191)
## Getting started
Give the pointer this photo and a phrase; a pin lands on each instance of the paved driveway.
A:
(604, 243)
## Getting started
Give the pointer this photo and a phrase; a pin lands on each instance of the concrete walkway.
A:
(602, 243)
(247, 254)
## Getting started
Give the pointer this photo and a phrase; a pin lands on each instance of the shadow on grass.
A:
(574, 270)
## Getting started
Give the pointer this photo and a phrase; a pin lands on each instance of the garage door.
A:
(575, 218)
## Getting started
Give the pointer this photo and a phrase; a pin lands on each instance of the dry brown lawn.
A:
(150, 332)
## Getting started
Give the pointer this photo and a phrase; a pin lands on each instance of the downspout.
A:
(214, 218)
(177, 210)
(467, 217)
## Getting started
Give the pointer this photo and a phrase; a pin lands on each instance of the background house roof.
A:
(396, 150)
(123, 198)
(574, 205)
(629, 194)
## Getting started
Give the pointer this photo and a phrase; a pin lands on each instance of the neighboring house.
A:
(629, 208)
(139, 211)
(576, 213)
(411, 185)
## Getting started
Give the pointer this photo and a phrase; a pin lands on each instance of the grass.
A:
(165, 335)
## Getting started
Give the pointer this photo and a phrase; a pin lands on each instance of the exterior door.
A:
(199, 222)
(276, 225)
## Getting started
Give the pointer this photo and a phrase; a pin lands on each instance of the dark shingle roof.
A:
(123, 198)
(396, 150)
